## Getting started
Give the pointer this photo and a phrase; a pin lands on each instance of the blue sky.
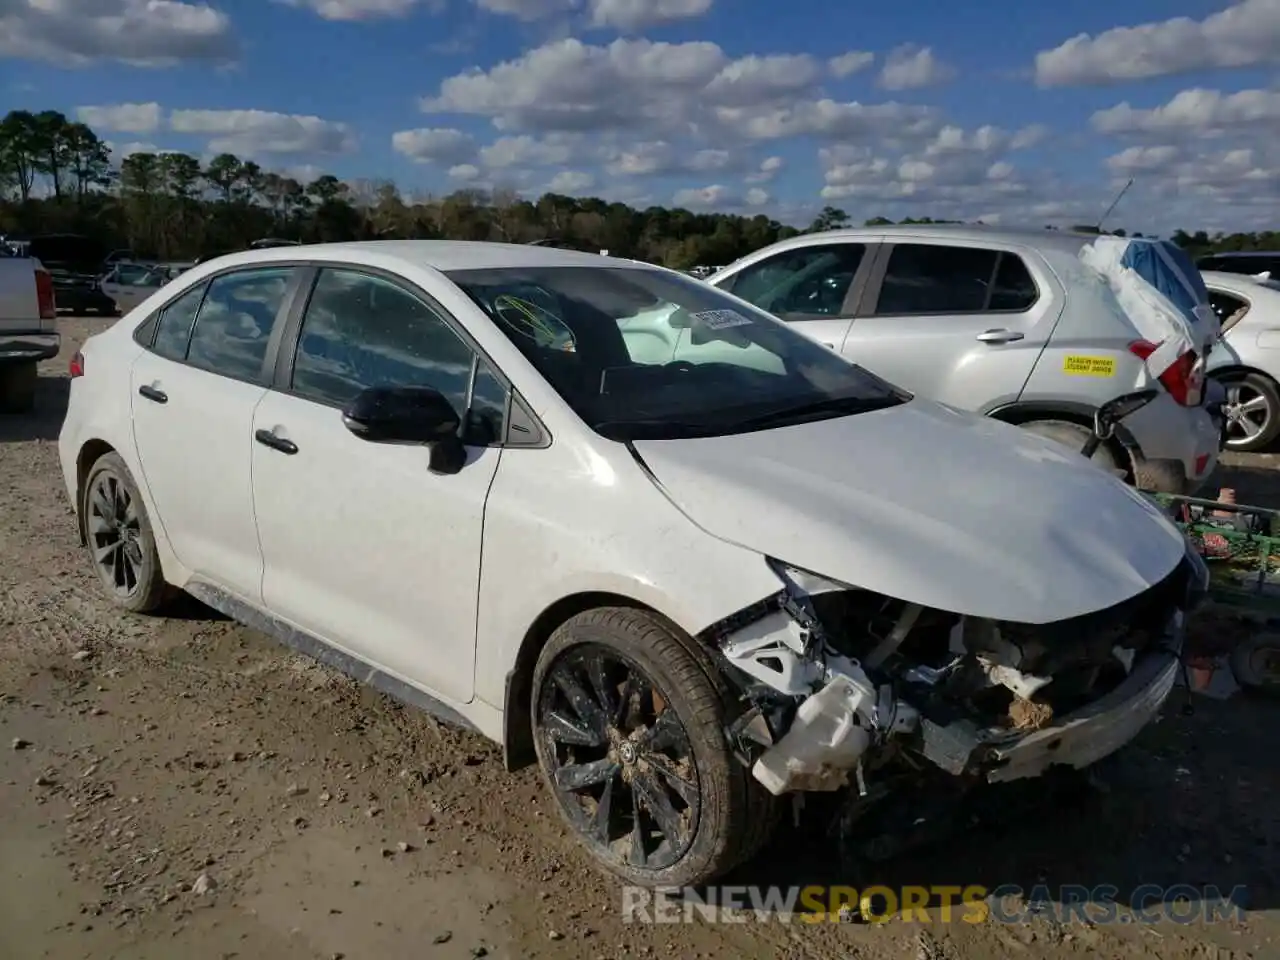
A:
(924, 108)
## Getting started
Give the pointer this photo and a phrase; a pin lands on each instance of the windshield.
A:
(648, 354)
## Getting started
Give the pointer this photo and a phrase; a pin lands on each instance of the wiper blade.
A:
(624, 429)
(837, 406)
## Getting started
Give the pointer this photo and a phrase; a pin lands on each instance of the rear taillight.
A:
(44, 296)
(76, 367)
(1185, 377)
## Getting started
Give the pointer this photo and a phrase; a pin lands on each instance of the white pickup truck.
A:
(28, 329)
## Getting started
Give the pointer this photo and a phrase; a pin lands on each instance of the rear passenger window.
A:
(927, 278)
(935, 279)
(234, 325)
(803, 282)
(174, 328)
(1013, 288)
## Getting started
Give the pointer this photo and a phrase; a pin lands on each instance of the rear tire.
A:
(1255, 664)
(119, 538)
(621, 704)
(1074, 436)
(1261, 391)
(18, 387)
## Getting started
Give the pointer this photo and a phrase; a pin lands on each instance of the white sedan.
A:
(637, 531)
(1247, 361)
(128, 284)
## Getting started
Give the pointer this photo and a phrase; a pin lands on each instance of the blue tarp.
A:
(1183, 286)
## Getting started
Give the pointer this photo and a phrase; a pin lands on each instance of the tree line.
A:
(58, 176)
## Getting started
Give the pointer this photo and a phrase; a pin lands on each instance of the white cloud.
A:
(524, 151)
(1142, 159)
(527, 10)
(571, 182)
(634, 15)
(955, 174)
(1244, 34)
(1196, 111)
(342, 10)
(1205, 159)
(122, 117)
(769, 168)
(716, 196)
(628, 85)
(441, 145)
(910, 67)
(624, 16)
(149, 33)
(119, 151)
(850, 63)
(464, 171)
(830, 120)
(756, 197)
(251, 132)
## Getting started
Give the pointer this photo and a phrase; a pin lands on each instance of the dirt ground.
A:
(183, 787)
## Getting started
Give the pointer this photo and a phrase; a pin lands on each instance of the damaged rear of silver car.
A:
(844, 685)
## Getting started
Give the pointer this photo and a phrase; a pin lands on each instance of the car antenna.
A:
(1106, 213)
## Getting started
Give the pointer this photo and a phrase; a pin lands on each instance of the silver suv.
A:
(1008, 323)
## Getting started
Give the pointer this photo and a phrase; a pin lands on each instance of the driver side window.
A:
(803, 282)
(362, 331)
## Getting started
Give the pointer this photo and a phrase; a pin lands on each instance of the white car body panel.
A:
(919, 502)
(1254, 340)
(875, 478)
(367, 549)
(24, 334)
(195, 456)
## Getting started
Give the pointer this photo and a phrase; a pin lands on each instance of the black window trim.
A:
(285, 351)
(867, 308)
(263, 377)
(861, 277)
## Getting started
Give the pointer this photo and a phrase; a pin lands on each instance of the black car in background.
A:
(76, 265)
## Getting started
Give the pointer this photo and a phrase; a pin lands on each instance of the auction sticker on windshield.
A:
(1075, 365)
(721, 319)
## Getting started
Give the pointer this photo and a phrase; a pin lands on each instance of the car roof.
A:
(1240, 281)
(1241, 254)
(1037, 237)
(442, 255)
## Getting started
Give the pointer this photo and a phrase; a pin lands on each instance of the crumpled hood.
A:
(930, 505)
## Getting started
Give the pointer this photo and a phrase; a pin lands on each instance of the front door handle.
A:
(1000, 335)
(269, 439)
(151, 393)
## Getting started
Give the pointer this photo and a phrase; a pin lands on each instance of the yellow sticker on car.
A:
(1076, 365)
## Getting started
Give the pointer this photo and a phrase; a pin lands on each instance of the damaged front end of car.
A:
(849, 690)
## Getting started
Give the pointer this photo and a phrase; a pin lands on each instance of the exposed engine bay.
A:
(845, 688)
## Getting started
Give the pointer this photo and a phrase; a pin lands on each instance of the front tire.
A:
(629, 732)
(120, 541)
(1252, 408)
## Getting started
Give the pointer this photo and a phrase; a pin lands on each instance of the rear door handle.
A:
(269, 439)
(999, 336)
(151, 393)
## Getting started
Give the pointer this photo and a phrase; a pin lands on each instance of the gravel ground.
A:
(183, 787)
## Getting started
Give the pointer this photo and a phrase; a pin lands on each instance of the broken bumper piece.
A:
(819, 712)
(1078, 739)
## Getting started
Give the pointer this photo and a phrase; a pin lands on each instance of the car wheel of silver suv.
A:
(1252, 409)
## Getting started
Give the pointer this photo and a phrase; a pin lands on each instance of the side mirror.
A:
(409, 415)
(1116, 409)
